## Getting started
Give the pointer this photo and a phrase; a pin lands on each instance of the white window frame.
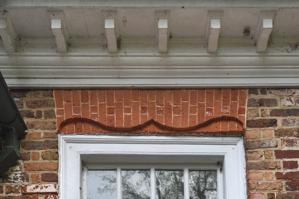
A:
(73, 147)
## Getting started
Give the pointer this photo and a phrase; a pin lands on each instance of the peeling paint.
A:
(40, 188)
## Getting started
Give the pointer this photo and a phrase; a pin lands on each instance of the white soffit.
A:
(180, 58)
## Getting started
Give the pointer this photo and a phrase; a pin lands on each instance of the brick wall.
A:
(35, 175)
(272, 134)
(160, 111)
(272, 143)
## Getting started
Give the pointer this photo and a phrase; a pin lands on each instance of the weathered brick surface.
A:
(38, 164)
(129, 108)
(272, 143)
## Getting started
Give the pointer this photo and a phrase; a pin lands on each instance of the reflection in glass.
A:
(203, 184)
(101, 184)
(169, 184)
(136, 184)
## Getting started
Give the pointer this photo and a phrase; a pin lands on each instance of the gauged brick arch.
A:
(151, 111)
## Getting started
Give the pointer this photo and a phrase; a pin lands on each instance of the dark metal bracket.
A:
(12, 129)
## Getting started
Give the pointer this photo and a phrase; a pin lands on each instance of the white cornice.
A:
(86, 71)
(38, 67)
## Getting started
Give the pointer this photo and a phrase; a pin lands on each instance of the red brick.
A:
(67, 96)
(35, 155)
(119, 114)
(68, 110)
(226, 97)
(288, 175)
(209, 98)
(201, 95)
(256, 196)
(177, 97)
(201, 112)
(102, 96)
(76, 97)
(58, 94)
(288, 195)
(193, 97)
(49, 177)
(41, 166)
(35, 178)
(185, 113)
(110, 97)
(93, 98)
(136, 112)
(287, 154)
(290, 164)
(234, 95)
(292, 185)
(84, 96)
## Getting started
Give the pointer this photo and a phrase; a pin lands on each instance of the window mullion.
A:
(220, 183)
(84, 183)
(186, 184)
(119, 184)
(153, 184)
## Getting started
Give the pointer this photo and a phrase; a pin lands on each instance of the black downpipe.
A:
(10, 152)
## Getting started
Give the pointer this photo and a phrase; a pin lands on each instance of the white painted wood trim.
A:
(59, 31)
(163, 35)
(214, 33)
(264, 35)
(84, 183)
(110, 33)
(153, 184)
(186, 184)
(220, 178)
(85, 70)
(152, 3)
(72, 147)
(119, 183)
(7, 33)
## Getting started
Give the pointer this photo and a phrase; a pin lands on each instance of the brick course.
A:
(272, 148)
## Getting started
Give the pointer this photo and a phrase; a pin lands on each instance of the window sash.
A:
(186, 177)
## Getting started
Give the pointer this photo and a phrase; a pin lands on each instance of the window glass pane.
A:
(169, 184)
(136, 184)
(101, 184)
(203, 184)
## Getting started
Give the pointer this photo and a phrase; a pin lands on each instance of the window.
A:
(153, 183)
(151, 167)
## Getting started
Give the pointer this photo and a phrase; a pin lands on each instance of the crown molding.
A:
(69, 71)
